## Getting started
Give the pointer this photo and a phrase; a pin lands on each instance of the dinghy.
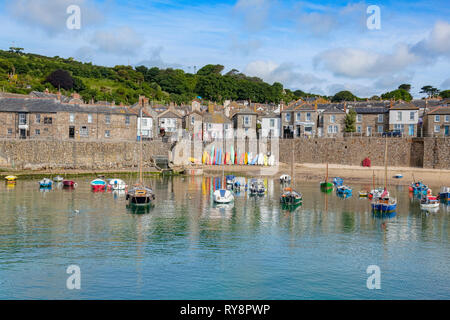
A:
(117, 184)
(429, 202)
(223, 196)
(285, 178)
(256, 186)
(45, 183)
(98, 185)
(58, 179)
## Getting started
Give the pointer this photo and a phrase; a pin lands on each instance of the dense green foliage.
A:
(350, 120)
(445, 94)
(399, 94)
(23, 73)
(430, 91)
(344, 96)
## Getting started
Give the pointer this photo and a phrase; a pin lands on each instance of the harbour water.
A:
(186, 247)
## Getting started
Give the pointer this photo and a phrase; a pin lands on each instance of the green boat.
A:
(290, 197)
(326, 186)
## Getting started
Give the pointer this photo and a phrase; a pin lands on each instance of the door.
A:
(71, 132)
(369, 131)
(447, 131)
(411, 130)
(23, 133)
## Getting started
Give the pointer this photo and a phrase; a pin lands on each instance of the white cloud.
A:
(284, 73)
(154, 59)
(436, 44)
(446, 84)
(122, 41)
(51, 15)
(255, 13)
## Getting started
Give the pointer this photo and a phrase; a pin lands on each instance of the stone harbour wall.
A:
(436, 153)
(41, 154)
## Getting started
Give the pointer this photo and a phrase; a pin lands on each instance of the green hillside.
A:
(24, 72)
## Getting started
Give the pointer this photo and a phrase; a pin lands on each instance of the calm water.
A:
(187, 248)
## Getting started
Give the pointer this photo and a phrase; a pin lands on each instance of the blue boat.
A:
(45, 183)
(344, 190)
(337, 181)
(418, 187)
(444, 194)
(386, 204)
(230, 180)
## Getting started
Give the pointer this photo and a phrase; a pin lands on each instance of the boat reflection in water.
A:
(117, 194)
(384, 215)
(290, 207)
(134, 209)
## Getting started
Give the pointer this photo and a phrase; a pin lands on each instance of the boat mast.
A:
(223, 148)
(292, 162)
(385, 165)
(373, 180)
(140, 144)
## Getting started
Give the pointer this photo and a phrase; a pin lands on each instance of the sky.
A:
(316, 46)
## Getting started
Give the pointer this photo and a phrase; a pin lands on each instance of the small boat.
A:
(98, 184)
(68, 183)
(45, 183)
(384, 203)
(429, 202)
(256, 186)
(326, 186)
(445, 193)
(10, 178)
(139, 195)
(418, 187)
(240, 184)
(363, 194)
(58, 179)
(344, 190)
(398, 176)
(223, 196)
(117, 184)
(291, 197)
(285, 178)
(230, 180)
(376, 193)
(337, 181)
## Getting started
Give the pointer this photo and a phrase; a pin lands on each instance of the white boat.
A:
(429, 202)
(223, 196)
(285, 178)
(239, 184)
(376, 193)
(117, 184)
(256, 186)
(58, 179)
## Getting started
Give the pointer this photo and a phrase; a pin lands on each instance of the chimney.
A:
(210, 108)
(46, 90)
(391, 104)
(254, 107)
(75, 95)
(315, 105)
(345, 107)
(113, 103)
(58, 95)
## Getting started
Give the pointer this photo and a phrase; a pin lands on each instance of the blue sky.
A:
(320, 46)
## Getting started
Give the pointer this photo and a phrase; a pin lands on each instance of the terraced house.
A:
(371, 120)
(437, 122)
(404, 117)
(41, 118)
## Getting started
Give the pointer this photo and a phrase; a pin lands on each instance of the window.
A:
(272, 123)
(9, 131)
(298, 116)
(399, 116)
(437, 118)
(308, 116)
(333, 129)
(38, 118)
(437, 128)
(22, 118)
(72, 118)
(127, 120)
(89, 118)
(332, 118)
(246, 120)
(108, 119)
(380, 129)
(192, 120)
(380, 118)
(144, 122)
(447, 118)
(107, 134)
(37, 132)
(336, 129)
(288, 117)
(412, 115)
(330, 129)
(209, 126)
(48, 120)
(398, 127)
(358, 129)
(359, 118)
(84, 132)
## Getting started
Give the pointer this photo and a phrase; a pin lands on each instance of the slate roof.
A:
(440, 110)
(215, 117)
(371, 110)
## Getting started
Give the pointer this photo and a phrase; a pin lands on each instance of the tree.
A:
(430, 91)
(445, 94)
(16, 50)
(405, 86)
(343, 96)
(61, 79)
(350, 120)
(399, 94)
(210, 69)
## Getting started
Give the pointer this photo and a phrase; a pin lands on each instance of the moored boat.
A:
(223, 196)
(291, 197)
(326, 186)
(444, 194)
(58, 179)
(117, 184)
(230, 181)
(45, 183)
(429, 202)
(11, 179)
(98, 184)
(240, 184)
(337, 181)
(344, 190)
(256, 186)
(68, 183)
(285, 178)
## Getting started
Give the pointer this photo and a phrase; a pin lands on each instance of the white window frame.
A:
(332, 118)
(89, 118)
(437, 118)
(108, 119)
(72, 117)
(412, 115)
(447, 118)
(437, 128)
(359, 118)
(358, 129)
(399, 116)
(308, 116)
(288, 117)
(380, 118)
(107, 134)
(380, 129)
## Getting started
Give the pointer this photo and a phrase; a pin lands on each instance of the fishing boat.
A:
(98, 184)
(68, 183)
(117, 184)
(285, 178)
(445, 193)
(337, 181)
(256, 186)
(223, 195)
(230, 181)
(240, 184)
(363, 194)
(45, 183)
(398, 176)
(290, 197)
(139, 194)
(384, 203)
(10, 179)
(58, 179)
(326, 186)
(344, 190)
(418, 187)
(429, 202)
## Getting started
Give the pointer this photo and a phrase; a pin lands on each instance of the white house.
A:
(147, 126)
(215, 124)
(270, 125)
(170, 122)
(404, 117)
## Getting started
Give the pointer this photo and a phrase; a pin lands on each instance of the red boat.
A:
(68, 183)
